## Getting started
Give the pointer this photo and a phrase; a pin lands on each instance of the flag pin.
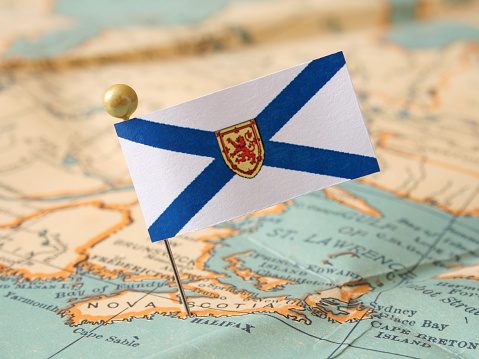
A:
(247, 147)
(244, 148)
(121, 101)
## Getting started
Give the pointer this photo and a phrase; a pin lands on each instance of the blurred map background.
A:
(383, 267)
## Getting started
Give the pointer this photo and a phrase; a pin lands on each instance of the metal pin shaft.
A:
(177, 277)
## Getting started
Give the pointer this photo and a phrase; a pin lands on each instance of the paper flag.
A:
(247, 147)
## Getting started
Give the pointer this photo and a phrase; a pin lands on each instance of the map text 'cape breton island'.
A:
(247, 147)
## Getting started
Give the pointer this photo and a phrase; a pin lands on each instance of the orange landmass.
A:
(348, 199)
(466, 61)
(265, 283)
(384, 146)
(471, 273)
(207, 237)
(88, 191)
(129, 304)
(77, 316)
(341, 303)
(276, 209)
(81, 251)
(343, 253)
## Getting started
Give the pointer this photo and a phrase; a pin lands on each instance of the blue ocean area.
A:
(402, 10)
(431, 34)
(69, 160)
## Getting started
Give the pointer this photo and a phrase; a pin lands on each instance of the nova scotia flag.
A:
(247, 147)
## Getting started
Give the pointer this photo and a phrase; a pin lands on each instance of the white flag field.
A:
(248, 147)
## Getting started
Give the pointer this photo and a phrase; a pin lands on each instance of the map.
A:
(386, 266)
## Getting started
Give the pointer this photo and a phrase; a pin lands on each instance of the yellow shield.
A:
(242, 148)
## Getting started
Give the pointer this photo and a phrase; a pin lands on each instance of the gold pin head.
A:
(120, 101)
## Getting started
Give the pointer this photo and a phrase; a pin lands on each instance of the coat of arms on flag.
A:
(242, 148)
(275, 138)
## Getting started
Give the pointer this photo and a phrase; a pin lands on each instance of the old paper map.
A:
(383, 267)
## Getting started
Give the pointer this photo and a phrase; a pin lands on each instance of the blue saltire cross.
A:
(281, 155)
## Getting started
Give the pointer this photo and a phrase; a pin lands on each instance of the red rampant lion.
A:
(245, 151)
